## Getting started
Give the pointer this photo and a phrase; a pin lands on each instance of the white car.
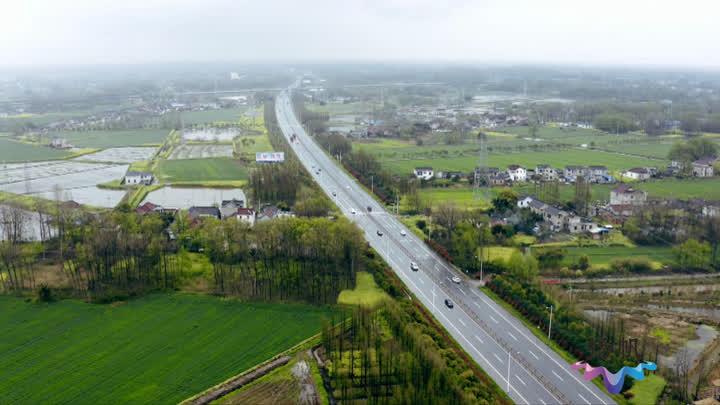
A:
(353, 211)
(402, 232)
(455, 279)
(414, 266)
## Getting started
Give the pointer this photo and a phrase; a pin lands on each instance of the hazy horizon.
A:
(558, 32)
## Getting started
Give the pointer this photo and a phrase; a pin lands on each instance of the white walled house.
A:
(517, 173)
(246, 215)
(626, 195)
(637, 173)
(704, 167)
(424, 173)
(138, 178)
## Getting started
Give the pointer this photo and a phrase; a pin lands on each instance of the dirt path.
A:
(237, 382)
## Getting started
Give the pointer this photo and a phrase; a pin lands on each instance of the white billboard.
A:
(269, 157)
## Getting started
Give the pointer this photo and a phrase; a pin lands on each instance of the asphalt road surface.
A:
(529, 371)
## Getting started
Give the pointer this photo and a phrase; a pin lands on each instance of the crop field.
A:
(247, 146)
(201, 151)
(603, 255)
(198, 170)
(122, 155)
(210, 116)
(11, 151)
(210, 134)
(708, 189)
(114, 138)
(614, 162)
(462, 197)
(159, 349)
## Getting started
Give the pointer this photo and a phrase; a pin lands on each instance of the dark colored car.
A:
(449, 303)
(369, 208)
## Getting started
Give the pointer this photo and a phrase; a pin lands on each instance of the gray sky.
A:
(626, 32)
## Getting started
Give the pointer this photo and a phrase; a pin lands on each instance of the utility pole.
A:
(550, 325)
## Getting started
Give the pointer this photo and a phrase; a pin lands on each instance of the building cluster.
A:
(227, 210)
(559, 220)
(518, 174)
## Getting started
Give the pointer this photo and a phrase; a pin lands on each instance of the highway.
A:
(529, 371)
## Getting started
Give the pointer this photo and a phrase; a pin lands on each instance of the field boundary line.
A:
(239, 380)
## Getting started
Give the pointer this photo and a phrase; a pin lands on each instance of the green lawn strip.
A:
(195, 170)
(648, 390)
(366, 292)
(156, 349)
(603, 255)
(542, 335)
(114, 138)
(15, 151)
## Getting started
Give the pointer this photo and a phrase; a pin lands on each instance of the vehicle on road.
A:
(379, 232)
(369, 208)
(455, 279)
(414, 266)
(449, 303)
(353, 211)
(334, 194)
(402, 232)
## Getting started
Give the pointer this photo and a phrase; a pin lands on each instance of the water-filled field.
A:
(210, 135)
(122, 155)
(184, 198)
(68, 180)
(194, 151)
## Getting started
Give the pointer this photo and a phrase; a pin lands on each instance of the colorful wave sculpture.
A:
(614, 382)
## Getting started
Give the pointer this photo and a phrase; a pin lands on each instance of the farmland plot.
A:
(184, 198)
(121, 155)
(210, 135)
(159, 349)
(74, 180)
(195, 151)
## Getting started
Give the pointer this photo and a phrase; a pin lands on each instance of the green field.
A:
(648, 390)
(602, 256)
(560, 159)
(210, 116)
(159, 349)
(462, 197)
(366, 292)
(708, 189)
(114, 138)
(198, 170)
(11, 151)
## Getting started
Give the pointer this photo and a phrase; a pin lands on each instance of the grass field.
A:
(648, 390)
(11, 151)
(366, 292)
(210, 116)
(602, 256)
(115, 138)
(708, 189)
(560, 159)
(462, 197)
(197, 170)
(158, 349)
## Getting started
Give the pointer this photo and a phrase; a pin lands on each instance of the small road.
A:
(521, 364)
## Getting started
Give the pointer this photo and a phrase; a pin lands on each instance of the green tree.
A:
(693, 255)
(523, 267)
(505, 200)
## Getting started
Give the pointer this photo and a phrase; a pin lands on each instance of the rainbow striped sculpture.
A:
(614, 382)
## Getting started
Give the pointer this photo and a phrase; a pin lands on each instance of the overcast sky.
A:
(625, 32)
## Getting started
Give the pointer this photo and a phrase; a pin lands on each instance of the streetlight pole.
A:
(550, 325)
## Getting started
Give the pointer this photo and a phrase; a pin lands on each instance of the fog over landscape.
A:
(617, 32)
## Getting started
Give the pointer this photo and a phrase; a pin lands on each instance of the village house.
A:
(558, 220)
(624, 199)
(546, 172)
(424, 173)
(132, 177)
(204, 212)
(229, 207)
(703, 167)
(572, 172)
(246, 215)
(711, 210)
(273, 212)
(60, 143)
(637, 173)
(147, 208)
(517, 173)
